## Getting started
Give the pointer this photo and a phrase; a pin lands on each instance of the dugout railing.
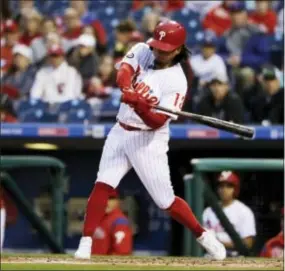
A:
(53, 238)
(197, 191)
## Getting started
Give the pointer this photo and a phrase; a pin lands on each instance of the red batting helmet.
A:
(232, 178)
(168, 36)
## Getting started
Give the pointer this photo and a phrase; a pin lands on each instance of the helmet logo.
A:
(226, 174)
(162, 34)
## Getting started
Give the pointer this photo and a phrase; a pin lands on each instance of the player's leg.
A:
(151, 164)
(113, 166)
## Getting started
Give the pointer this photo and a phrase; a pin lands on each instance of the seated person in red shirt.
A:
(264, 16)
(274, 247)
(218, 19)
(10, 37)
(114, 235)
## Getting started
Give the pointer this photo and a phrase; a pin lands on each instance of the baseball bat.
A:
(237, 129)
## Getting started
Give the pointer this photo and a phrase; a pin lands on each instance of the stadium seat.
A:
(73, 104)
(191, 21)
(76, 110)
(110, 106)
(78, 116)
(38, 115)
(26, 105)
(277, 49)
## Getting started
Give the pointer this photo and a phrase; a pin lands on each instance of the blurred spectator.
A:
(124, 32)
(5, 10)
(114, 235)
(218, 19)
(201, 6)
(149, 22)
(88, 18)
(244, 45)
(73, 25)
(11, 37)
(25, 7)
(88, 29)
(32, 23)
(81, 7)
(138, 4)
(135, 38)
(264, 16)
(58, 82)
(7, 112)
(238, 214)
(49, 36)
(106, 71)
(100, 85)
(173, 5)
(268, 106)
(84, 57)
(18, 80)
(220, 102)
(274, 247)
(205, 64)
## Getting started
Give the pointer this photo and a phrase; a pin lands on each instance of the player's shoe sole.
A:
(84, 249)
(212, 245)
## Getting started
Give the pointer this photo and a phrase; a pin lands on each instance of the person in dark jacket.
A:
(220, 102)
(244, 44)
(18, 80)
(268, 107)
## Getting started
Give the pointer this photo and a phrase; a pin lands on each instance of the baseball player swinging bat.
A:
(238, 129)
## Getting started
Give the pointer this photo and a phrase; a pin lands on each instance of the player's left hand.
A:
(142, 105)
(133, 99)
(130, 98)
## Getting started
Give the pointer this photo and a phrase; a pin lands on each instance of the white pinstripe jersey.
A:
(166, 87)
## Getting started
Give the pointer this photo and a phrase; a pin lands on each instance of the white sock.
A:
(2, 226)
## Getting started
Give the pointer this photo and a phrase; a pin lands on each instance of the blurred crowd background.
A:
(57, 57)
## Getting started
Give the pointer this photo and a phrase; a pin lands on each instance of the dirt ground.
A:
(242, 263)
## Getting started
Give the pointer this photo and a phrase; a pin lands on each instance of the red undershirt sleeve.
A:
(125, 75)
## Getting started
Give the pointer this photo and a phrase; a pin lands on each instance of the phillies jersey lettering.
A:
(166, 87)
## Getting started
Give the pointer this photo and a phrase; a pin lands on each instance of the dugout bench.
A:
(197, 191)
(53, 239)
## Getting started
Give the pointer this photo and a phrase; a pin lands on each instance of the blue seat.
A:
(52, 7)
(111, 105)
(37, 115)
(73, 104)
(192, 23)
(79, 116)
(68, 111)
(31, 104)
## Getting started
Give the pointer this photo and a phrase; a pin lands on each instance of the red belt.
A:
(131, 128)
